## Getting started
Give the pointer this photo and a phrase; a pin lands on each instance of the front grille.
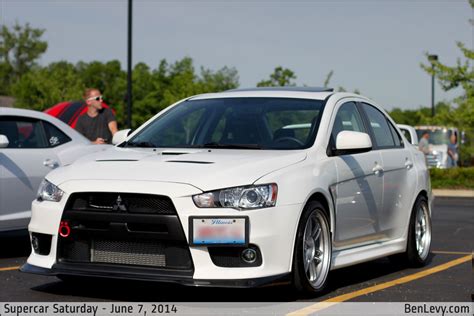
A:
(128, 253)
(121, 202)
(145, 233)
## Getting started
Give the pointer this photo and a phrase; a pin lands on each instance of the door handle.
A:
(377, 169)
(50, 163)
(408, 163)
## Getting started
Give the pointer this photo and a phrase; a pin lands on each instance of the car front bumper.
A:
(144, 275)
(272, 230)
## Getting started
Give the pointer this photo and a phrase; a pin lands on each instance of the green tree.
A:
(221, 80)
(41, 88)
(461, 112)
(168, 84)
(20, 47)
(280, 77)
(153, 89)
(461, 75)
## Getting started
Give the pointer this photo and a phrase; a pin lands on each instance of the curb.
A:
(453, 193)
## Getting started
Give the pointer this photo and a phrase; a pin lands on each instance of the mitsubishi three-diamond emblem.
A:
(118, 206)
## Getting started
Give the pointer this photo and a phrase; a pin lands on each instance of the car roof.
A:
(33, 114)
(270, 92)
(290, 88)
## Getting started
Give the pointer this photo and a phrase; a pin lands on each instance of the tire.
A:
(419, 236)
(312, 259)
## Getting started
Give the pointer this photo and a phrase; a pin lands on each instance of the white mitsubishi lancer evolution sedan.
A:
(239, 189)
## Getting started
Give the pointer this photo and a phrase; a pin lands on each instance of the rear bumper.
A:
(105, 271)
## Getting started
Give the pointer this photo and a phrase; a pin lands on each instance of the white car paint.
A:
(369, 195)
(22, 169)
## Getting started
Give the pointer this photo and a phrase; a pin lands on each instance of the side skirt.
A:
(348, 257)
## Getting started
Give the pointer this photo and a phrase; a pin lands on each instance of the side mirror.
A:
(4, 141)
(120, 136)
(349, 142)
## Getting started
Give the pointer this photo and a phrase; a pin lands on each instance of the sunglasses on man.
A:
(99, 98)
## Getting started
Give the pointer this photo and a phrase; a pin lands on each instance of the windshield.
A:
(235, 123)
(437, 136)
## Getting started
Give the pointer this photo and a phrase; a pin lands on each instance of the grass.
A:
(453, 178)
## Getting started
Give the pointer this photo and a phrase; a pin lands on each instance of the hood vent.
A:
(106, 160)
(173, 153)
(191, 161)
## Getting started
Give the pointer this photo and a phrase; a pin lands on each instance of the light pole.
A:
(129, 66)
(432, 59)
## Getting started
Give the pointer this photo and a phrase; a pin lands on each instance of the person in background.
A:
(423, 144)
(452, 152)
(98, 124)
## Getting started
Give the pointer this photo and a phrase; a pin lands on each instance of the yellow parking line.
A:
(10, 268)
(345, 297)
(451, 252)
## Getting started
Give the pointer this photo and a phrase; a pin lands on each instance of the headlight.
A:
(247, 197)
(49, 192)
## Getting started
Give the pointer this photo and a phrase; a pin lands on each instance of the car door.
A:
(358, 188)
(23, 164)
(399, 178)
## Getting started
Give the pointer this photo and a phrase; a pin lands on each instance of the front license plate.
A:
(219, 231)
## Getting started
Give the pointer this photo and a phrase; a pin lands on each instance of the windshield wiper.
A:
(140, 144)
(229, 146)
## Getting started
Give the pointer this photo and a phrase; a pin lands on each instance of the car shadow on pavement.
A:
(14, 244)
(125, 290)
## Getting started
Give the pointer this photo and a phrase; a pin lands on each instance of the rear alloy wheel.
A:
(419, 236)
(312, 256)
(422, 231)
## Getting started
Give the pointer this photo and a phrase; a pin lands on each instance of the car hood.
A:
(205, 169)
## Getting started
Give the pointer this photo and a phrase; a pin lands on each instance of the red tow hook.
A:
(64, 229)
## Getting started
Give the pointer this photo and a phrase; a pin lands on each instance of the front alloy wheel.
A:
(313, 250)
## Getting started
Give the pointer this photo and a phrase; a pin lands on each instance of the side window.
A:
(406, 134)
(396, 137)
(54, 135)
(23, 132)
(380, 127)
(347, 119)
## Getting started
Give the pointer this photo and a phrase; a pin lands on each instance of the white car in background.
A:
(239, 188)
(31, 145)
(440, 137)
(410, 133)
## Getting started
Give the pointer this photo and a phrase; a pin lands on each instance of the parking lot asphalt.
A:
(447, 278)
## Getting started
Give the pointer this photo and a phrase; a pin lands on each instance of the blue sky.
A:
(373, 46)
